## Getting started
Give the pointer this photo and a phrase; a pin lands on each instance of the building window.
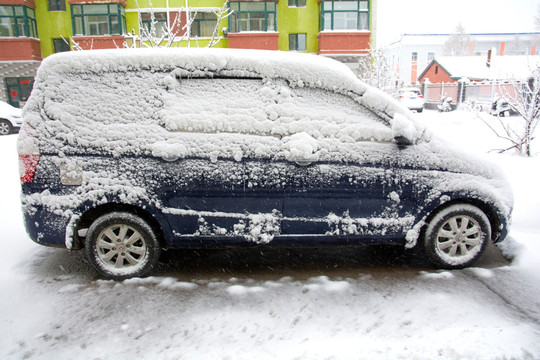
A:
(203, 24)
(98, 19)
(18, 89)
(17, 21)
(297, 3)
(344, 15)
(297, 42)
(414, 57)
(61, 45)
(252, 16)
(57, 5)
(436, 69)
(159, 22)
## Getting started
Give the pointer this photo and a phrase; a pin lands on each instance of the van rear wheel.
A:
(122, 245)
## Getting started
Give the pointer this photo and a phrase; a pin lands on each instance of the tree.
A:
(457, 43)
(515, 47)
(524, 98)
(375, 69)
(168, 35)
(170, 32)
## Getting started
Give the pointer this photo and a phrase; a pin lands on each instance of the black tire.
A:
(457, 236)
(5, 127)
(420, 110)
(121, 246)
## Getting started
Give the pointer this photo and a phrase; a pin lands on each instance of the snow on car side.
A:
(126, 152)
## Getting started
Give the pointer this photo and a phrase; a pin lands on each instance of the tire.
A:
(5, 127)
(457, 236)
(121, 246)
(420, 110)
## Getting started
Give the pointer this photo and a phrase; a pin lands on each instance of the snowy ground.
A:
(366, 303)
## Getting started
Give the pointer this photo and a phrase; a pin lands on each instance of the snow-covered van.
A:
(128, 152)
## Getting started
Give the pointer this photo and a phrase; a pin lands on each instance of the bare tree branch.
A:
(221, 14)
(375, 70)
(524, 98)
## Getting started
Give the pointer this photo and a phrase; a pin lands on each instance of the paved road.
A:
(352, 303)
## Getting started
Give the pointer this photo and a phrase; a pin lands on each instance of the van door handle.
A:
(304, 161)
(170, 158)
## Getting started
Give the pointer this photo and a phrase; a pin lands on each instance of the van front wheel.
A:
(457, 236)
(121, 246)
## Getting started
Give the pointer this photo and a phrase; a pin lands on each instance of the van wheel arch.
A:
(486, 209)
(91, 215)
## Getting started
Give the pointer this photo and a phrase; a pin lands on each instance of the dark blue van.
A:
(128, 152)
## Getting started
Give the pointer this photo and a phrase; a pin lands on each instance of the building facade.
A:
(412, 53)
(31, 30)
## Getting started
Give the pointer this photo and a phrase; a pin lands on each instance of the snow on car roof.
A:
(301, 69)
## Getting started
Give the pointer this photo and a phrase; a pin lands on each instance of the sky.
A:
(396, 17)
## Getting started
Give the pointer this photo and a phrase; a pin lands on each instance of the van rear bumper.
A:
(45, 227)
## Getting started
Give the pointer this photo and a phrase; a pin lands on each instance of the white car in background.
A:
(412, 98)
(10, 118)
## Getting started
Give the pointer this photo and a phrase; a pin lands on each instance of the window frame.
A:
(235, 19)
(25, 21)
(296, 37)
(63, 48)
(295, 3)
(359, 11)
(197, 22)
(22, 85)
(113, 10)
(147, 23)
(57, 5)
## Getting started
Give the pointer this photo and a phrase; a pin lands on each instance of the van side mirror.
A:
(402, 141)
(403, 131)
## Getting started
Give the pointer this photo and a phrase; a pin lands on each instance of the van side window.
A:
(266, 107)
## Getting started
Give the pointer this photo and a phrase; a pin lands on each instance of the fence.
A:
(434, 92)
(482, 93)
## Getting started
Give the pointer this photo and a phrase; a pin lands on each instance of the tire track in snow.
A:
(473, 274)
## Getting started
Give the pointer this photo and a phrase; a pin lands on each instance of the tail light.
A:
(27, 167)
(421, 96)
(29, 155)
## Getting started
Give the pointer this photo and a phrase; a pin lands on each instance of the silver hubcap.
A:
(460, 237)
(120, 246)
(4, 128)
